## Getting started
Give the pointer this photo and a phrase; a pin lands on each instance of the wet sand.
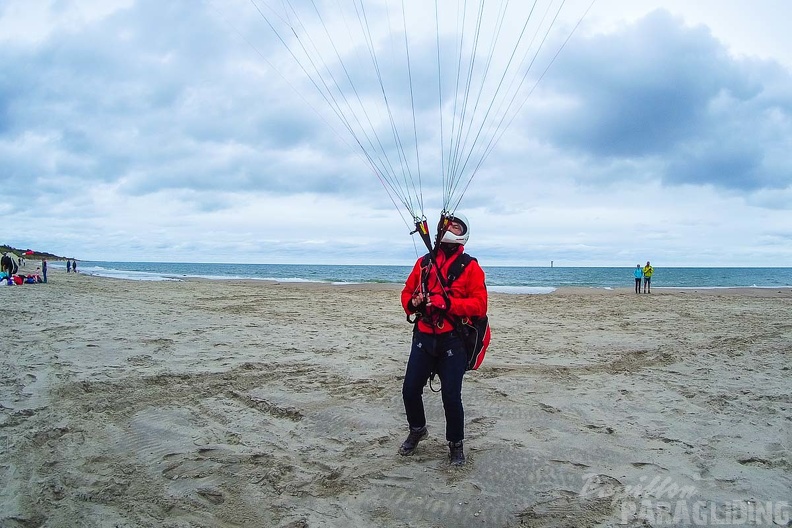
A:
(243, 403)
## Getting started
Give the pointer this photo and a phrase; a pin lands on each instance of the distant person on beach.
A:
(44, 269)
(74, 266)
(638, 274)
(436, 346)
(648, 271)
(68, 266)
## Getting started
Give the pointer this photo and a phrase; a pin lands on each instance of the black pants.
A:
(445, 355)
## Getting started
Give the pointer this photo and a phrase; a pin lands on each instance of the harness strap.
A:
(454, 271)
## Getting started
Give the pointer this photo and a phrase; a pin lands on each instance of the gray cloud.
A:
(661, 89)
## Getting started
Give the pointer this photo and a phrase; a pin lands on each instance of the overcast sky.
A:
(170, 131)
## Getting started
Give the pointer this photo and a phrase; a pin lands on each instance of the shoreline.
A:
(755, 291)
(516, 281)
(245, 403)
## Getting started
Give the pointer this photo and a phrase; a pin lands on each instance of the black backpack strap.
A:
(458, 267)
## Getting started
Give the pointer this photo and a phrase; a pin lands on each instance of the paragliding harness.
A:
(474, 331)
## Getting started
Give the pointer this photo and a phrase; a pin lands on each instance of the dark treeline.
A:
(35, 255)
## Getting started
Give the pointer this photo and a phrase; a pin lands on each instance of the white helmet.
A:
(451, 238)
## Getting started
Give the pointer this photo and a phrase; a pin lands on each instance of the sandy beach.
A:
(253, 404)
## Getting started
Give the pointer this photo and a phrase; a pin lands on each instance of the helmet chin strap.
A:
(448, 249)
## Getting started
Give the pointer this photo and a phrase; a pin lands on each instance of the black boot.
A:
(457, 453)
(415, 436)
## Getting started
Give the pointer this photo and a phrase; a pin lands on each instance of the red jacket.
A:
(467, 294)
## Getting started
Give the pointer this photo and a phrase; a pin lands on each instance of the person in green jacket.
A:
(648, 271)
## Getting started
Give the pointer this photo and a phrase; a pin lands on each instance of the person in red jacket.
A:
(436, 345)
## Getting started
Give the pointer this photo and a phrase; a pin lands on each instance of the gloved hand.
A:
(417, 299)
(438, 302)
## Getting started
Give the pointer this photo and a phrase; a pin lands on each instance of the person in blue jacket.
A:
(638, 274)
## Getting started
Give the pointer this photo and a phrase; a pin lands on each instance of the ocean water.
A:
(518, 280)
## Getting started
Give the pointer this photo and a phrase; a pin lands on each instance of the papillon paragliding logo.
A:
(420, 87)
